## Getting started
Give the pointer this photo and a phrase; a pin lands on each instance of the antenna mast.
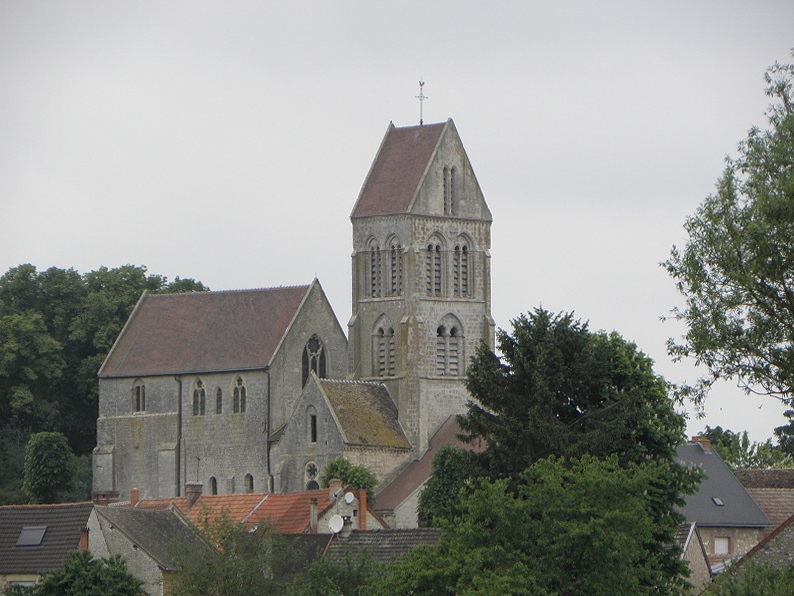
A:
(421, 97)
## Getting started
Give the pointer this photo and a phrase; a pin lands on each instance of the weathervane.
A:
(421, 97)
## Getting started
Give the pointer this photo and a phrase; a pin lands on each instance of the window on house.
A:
(199, 399)
(139, 396)
(249, 483)
(31, 535)
(213, 485)
(722, 546)
(313, 428)
(219, 401)
(313, 359)
(238, 401)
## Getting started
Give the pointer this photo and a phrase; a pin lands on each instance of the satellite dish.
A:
(349, 497)
(336, 523)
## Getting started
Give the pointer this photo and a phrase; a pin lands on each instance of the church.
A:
(257, 390)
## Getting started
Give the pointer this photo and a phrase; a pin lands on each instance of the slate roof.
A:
(418, 471)
(384, 546)
(64, 523)
(398, 169)
(366, 413)
(155, 532)
(737, 508)
(203, 332)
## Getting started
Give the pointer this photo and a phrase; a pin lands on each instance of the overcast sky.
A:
(228, 141)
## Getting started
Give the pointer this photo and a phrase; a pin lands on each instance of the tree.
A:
(358, 476)
(738, 451)
(579, 526)
(559, 389)
(736, 271)
(440, 498)
(754, 580)
(82, 575)
(48, 467)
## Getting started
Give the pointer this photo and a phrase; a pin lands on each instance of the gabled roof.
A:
(418, 471)
(398, 169)
(203, 332)
(155, 532)
(366, 413)
(63, 523)
(384, 546)
(776, 503)
(721, 500)
(772, 478)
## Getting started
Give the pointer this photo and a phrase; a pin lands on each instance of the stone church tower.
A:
(421, 275)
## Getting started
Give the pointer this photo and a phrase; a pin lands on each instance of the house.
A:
(305, 512)
(728, 519)
(36, 539)
(398, 499)
(256, 390)
(148, 541)
(383, 546)
(775, 550)
(772, 490)
(693, 551)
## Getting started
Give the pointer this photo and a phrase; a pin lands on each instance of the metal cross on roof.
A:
(421, 97)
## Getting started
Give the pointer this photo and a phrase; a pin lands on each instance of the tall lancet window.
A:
(239, 396)
(461, 269)
(313, 359)
(199, 399)
(396, 268)
(375, 274)
(450, 190)
(434, 269)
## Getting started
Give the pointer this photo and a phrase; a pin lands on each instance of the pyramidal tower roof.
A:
(398, 169)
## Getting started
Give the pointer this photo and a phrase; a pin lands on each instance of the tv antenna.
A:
(421, 97)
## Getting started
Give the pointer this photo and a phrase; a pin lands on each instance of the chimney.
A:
(83, 539)
(334, 488)
(135, 497)
(703, 441)
(313, 513)
(104, 497)
(362, 509)
(347, 528)
(192, 493)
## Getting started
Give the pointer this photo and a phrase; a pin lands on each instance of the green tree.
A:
(736, 271)
(82, 575)
(560, 389)
(440, 498)
(754, 580)
(567, 527)
(48, 467)
(738, 451)
(357, 476)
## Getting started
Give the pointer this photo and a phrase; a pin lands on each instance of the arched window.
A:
(434, 271)
(249, 483)
(375, 274)
(395, 268)
(219, 401)
(199, 399)
(311, 424)
(313, 359)
(139, 396)
(449, 348)
(213, 485)
(239, 396)
(460, 269)
(383, 346)
(450, 190)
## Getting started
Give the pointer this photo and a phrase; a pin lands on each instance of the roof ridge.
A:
(233, 291)
(352, 382)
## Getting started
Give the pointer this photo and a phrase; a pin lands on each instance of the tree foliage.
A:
(358, 476)
(738, 451)
(440, 498)
(48, 467)
(754, 580)
(56, 327)
(579, 526)
(737, 268)
(83, 575)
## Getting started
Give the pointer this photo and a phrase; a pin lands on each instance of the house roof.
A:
(203, 332)
(384, 546)
(63, 523)
(285, 513)
(415, 474)
(398, 169)
(155, 531)
(772, 478)
(721, 500)
(366, 413)
(776, 503)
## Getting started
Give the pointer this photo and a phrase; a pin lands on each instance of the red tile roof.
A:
(398, 169)
(203, 332)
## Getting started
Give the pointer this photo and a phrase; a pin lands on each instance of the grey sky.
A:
(227, 141)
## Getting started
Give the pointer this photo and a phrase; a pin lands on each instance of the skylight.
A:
(717, 501)
(31, 535)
